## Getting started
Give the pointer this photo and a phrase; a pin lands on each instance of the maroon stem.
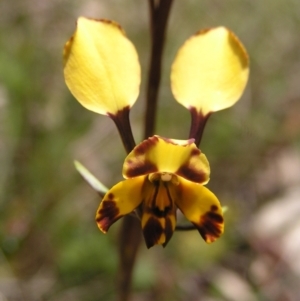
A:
(130, 234)
(197, 125)
(159, 13)
(122, 122)
(129, 240)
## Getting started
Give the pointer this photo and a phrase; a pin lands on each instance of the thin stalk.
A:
(130, 234)
(122, 122)
(159, 14)
(198, 122)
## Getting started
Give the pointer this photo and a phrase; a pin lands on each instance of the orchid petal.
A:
(101, 67)
(210, 71)
(202, 208)
(120, 200)
(158, 154)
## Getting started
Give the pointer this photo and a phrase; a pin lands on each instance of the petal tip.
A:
(211, 225)
(107, 214)
(155, 233)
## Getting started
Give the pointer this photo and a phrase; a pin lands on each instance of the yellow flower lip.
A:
(167, 156)
(210, 71)
(101, 66)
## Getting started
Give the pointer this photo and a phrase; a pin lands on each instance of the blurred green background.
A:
(51, 248)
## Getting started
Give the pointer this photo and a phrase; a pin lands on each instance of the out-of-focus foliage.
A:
(51, 248)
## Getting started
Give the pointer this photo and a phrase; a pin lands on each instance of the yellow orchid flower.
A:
(163, 175)
(209, 73)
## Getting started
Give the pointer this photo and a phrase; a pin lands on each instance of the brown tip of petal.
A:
(66, 51)
(211, 225)
(107, 214)
(146, 145)
(233, 39)
(112, 23)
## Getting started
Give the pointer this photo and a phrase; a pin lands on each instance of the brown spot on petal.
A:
(191, 174)
(195, 152)
(144, 147)
(112, 23)
(214, 208)
(142, 168)
(67, 50)
(152, 232)
(110, 196)
(160, 213)
(107, 214)
(211, 225)
(168, 231)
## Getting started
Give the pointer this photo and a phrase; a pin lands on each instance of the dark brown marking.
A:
(152, 232)
(141, 169)
(144, 146)
(210, 226)
(166, 185)
(215, 217)
(168, 231)
(202, 31)
(156, 189)
(195, 152)
(192, 175)
(214, 208)
(110, 196)
(107, 215)
(158, 212)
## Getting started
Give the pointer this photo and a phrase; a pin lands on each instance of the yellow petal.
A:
(101, 66)
(120, 200)
(158, 154)
(210, 71)
(202, 208)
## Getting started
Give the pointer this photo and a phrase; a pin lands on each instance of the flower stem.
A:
(130, 234)
(197, 125)
(122, 122)
(159, 13)
(129, 241)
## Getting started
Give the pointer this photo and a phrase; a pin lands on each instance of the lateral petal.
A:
(158, 154)
(101, 66)
(120, 200)
(202, 208)
(210, 71)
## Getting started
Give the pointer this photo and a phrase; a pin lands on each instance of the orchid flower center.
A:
(164, 177)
